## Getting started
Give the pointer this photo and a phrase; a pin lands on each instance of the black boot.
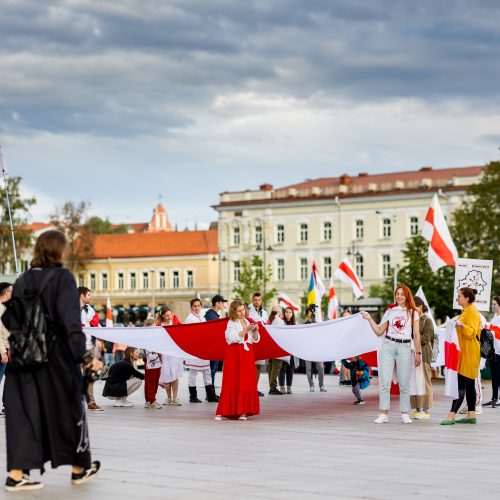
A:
(211, 396)
(193, 396)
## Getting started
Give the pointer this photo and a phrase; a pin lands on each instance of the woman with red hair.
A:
(399, 324)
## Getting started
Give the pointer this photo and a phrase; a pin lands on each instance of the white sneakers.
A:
(382, 419)
(122, 403)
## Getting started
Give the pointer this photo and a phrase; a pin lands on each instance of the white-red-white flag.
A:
(109, 314)
(333, 303)
(285, 301)
(346, 273)
(451, 357)
(442, 250)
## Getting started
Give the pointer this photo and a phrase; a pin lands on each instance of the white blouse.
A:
(232, 334)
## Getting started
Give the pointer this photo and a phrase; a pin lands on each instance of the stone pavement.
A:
(305, 445)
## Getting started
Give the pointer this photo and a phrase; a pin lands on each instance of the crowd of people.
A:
(49, 384)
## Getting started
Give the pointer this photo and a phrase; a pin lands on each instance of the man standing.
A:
(5, 295)
(213, 314)
(90, 319)
(259, 315)
(199, 365)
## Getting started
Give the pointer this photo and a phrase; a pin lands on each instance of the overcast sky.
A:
(117, 102)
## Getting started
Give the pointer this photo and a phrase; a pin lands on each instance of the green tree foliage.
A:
(96, 225)
(71, 219)
(20, 209)
(476, 224)
(254, 278)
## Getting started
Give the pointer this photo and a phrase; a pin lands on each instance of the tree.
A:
(416, 272)
(254, 278)
(96, 225)
(71, 220)
(20, 208)
(476, 224)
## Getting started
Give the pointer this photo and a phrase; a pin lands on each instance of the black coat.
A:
(119, 373)
(45, 413)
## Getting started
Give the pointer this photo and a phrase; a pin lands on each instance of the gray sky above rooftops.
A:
(118, 102)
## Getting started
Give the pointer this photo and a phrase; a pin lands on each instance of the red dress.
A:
(238, 394)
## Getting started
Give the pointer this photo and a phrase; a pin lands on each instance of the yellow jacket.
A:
(470, 353)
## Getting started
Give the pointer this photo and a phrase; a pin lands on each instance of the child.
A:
(360, 377)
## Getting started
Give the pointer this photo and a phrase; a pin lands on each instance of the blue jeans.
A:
(214, 366)
(393, 353)
(108, 358)
(3, 367)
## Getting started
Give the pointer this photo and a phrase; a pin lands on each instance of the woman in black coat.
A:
(45, 413)
(123, 379)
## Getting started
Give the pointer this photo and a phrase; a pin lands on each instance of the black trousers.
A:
(495, 375)
(467, 389)
(286, 371)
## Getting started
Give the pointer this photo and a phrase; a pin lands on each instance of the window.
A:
(81, 280)
(360, 229)
(104, 281)
(280, 234)
(413, 226)
(303, 233)
(327, 231)
(386, 265)
(133, 281)
(303, 269)
(327, 267)
(236, 236)
(386, 228)
(175, 279)
(145, 280)
(162, 279)
(120, 281)
(189, 279)
(92, 281)
(360, 266)
(258, 235)
(236, 270)
(280, 269)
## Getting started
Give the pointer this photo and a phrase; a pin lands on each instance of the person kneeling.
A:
(123, 379)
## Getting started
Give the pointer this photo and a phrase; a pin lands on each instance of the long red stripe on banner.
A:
(441, 249)
(451, 355)
(347, 270)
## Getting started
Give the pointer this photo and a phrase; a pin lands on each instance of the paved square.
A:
(305, 445)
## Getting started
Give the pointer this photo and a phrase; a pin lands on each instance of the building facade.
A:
(366, 218)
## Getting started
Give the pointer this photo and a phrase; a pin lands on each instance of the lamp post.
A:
(221, 258)
(264, 249)
(152, 272)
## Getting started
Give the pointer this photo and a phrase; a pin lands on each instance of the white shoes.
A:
(382, 419)
(322, 388)
(479, 410)
(405, 419)
(122, 403)
(311, 389)
(218, 418)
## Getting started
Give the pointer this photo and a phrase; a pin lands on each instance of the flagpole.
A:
(4, 173)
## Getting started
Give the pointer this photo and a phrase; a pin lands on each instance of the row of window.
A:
(326, 231)
(327, 269)
(132, 280)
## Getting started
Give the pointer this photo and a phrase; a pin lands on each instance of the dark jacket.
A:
(211, 315)
(44, 409)
(119, 373)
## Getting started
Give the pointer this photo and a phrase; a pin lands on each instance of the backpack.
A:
(487, 342)
(31, 337)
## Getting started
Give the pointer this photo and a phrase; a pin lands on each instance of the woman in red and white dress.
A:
(239, 398)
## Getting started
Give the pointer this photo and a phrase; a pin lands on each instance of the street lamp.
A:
(152, 271)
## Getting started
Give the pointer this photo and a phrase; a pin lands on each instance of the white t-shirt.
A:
(399, 326)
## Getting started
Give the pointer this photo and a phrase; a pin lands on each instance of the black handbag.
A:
(487, 343)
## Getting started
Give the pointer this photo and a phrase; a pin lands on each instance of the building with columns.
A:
(367, 218)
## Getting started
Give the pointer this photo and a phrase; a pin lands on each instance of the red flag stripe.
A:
(347, 270)
(451, 355)
(441, 249)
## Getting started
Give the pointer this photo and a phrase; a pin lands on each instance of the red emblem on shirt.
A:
(399, 324)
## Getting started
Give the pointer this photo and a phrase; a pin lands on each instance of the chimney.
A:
(425, 169)
(266, 187)
(363, 174)
(345, 179)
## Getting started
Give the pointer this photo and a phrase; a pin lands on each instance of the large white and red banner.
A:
(325, 341)
(451, 358)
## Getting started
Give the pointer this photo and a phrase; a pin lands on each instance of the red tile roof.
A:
(36, 226)
(161, 244)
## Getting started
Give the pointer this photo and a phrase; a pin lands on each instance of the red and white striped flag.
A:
(333, 303)
(285, 301)
(109, 314)
(346, 273)
(451, 357)
(442, 250)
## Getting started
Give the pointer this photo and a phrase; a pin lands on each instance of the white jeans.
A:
(207, 377)
(400, 354)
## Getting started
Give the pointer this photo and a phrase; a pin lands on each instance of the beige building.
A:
(366, 218)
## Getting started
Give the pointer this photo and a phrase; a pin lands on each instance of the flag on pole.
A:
(316, 290)
(333, 303)
(420, 293)
(442, 250)
(346, 273)
(285, 301)
(451, 357)
(109, 314)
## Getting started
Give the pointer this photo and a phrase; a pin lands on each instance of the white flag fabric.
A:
(285, 301)
(109, 314)
(452, 355)
(442, 250)
(346, 273)
(333, 303)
